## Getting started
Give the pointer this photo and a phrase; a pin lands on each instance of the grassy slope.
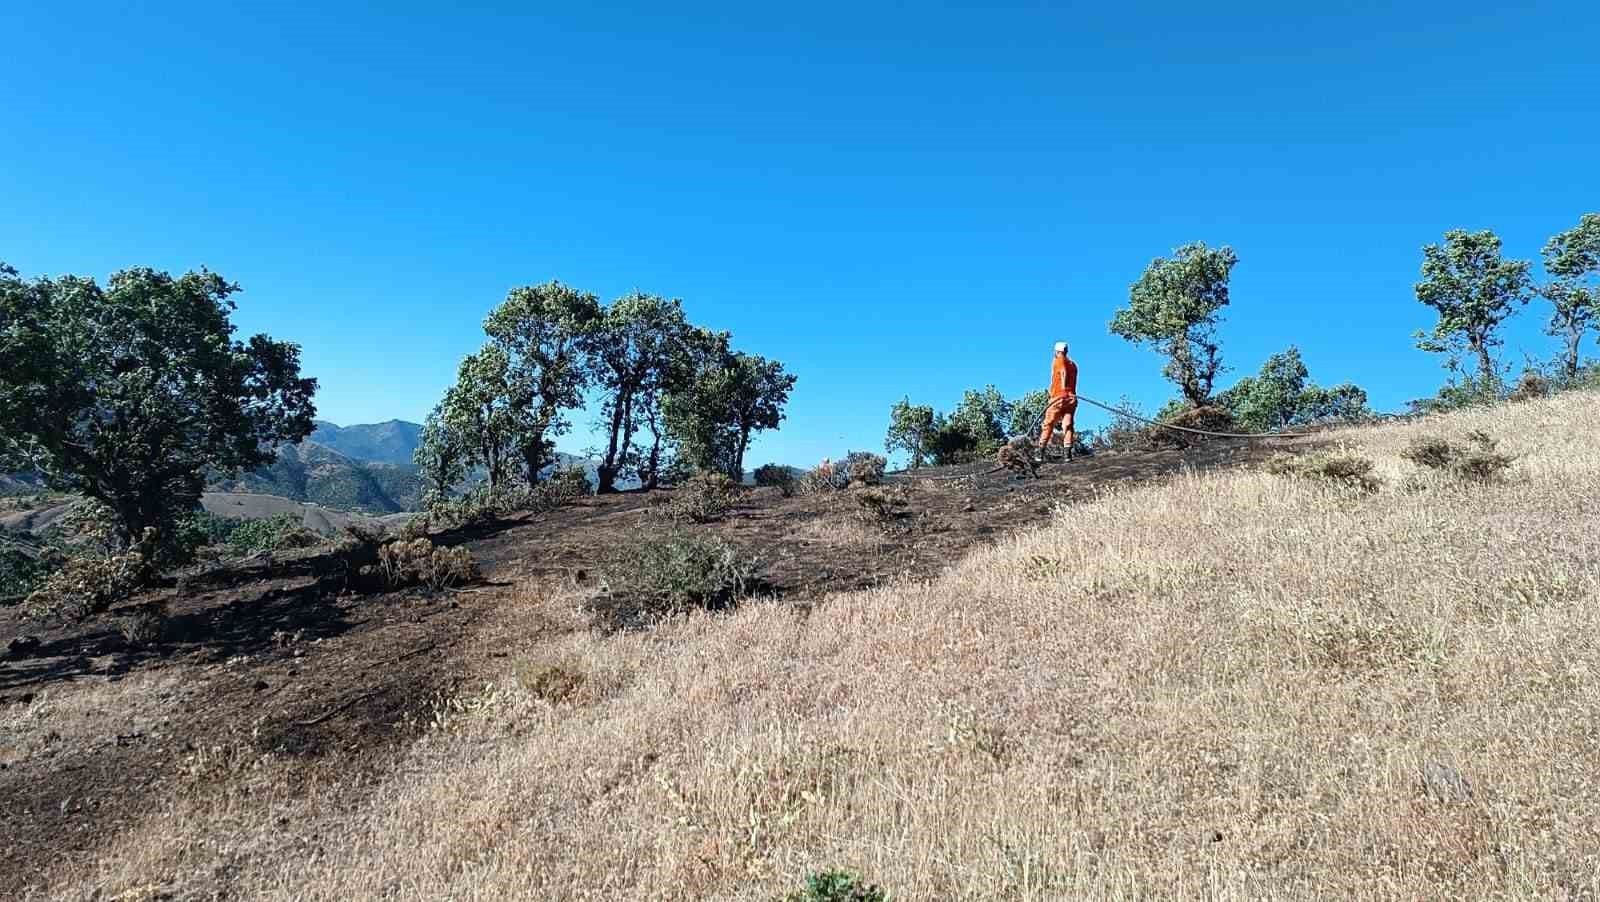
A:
(1224, 686)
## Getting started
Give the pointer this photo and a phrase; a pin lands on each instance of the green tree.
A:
(1174, 307)
(1027, 413)
(1282, 395)
(130, 393)
(542, 330)
(1474, 290)
(631, 352)
(984, 415)
(1573, 259)
(441, 456)
(719, 398)
(910, 430)
(481, 417)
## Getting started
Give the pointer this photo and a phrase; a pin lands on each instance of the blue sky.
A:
(893, 199)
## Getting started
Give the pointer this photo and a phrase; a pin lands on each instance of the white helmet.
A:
(1061, 347)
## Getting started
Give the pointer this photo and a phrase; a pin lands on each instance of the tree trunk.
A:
(606, 472)
(744, 445)
(1574, 342)
(1485, 365)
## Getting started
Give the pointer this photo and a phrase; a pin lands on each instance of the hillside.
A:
(1166, 674)
(315, 473)
(391, 442)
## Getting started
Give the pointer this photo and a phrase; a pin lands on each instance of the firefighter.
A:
(1063, 407)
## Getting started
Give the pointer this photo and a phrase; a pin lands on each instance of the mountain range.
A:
(391, 442)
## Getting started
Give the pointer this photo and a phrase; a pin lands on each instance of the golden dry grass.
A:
(1225, 686)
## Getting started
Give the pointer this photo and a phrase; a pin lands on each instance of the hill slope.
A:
(1221, 684)
(313, 472)
(391, 442)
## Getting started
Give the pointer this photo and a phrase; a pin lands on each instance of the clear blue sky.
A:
(904, 199)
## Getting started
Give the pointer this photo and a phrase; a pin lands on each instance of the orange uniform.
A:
(1063, 407)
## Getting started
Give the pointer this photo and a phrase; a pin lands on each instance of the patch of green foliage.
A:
(837, 886)
(278, 533)
(678, 570)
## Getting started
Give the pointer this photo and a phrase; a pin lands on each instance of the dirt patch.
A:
(275, 658)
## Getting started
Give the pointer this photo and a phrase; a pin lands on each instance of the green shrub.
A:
(565, 485)
(86, 586)
(702, 499)
(777, 476)
(23, 568)
(671, 572)
(837, 886)
(1476, 461)
(419, 562)
(279, 533)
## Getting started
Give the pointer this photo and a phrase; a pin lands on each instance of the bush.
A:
(678, 570)
(777, 476)
(144, 626)
(279, 533)
(1341, 467)
(702, 499)
(879, 507)
(564, 486)
(1476, 461)
(837, 886)
(1531, 386)
(864, 468)
(87, 586)
(419, 562)
(23, 568)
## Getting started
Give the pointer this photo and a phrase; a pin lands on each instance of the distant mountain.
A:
(392, 442)
(313, 472)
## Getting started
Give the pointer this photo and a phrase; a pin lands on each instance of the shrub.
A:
(86, 586)
(825, 477)
(777, 476)
(22, 569)
(1531, 386)
(279, 533)
(145, 626)
(879, 507)
(702, 499)
(1476, 461)
(837, 886)
(419, 562)
(564, 486)
(678, 570)
(555, 683)
(1340, 467)
(864, 468)
(1207, 418)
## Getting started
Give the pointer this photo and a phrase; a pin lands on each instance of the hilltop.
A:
(1139, 670)
(389, 442)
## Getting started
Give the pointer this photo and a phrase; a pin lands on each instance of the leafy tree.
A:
(481, 417)
(542, 331)
(910, 430)
(131, 392)
(441, 456)
(1573, 258)
(984, 416)
(1282, 395)
(1175, 308)
(1474, 290)
(631, 351)
(719, 399)
(1027, 413)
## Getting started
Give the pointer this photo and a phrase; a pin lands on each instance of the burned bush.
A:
(420, 562)
(703, 498)
(1343, 468)
(1477, 461)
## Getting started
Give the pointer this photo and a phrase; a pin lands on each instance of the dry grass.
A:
(1226, 686)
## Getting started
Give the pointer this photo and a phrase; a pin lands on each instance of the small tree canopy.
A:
(910, 430)
(131, 393)
(1573, 259)
(1282, 395)
(631, 352)
(1474, 290)
(1174, 307)
(541, 330)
